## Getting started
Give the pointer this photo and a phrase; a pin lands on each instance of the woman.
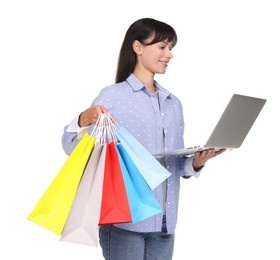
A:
(155, 117)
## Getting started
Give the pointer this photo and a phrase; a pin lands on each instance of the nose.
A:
(169, 54)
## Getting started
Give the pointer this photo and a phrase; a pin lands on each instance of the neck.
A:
(148, 81)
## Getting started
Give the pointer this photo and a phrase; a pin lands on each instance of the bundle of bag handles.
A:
(105, 129)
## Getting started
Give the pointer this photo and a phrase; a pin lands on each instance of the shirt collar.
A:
(137, 85)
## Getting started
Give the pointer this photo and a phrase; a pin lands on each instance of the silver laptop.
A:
(232, 127)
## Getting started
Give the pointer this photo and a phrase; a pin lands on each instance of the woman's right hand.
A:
(90, 115)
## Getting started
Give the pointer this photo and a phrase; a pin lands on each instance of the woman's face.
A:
(155, 57)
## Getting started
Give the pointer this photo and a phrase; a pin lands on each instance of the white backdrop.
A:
(57, 55)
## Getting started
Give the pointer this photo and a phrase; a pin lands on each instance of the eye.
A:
(162, 46)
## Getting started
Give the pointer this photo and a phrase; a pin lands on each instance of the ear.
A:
(137, 47)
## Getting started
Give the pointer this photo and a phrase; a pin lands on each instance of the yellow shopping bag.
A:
(53, 208)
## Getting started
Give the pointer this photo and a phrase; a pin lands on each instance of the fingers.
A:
(201, 157)
(209, 153)
(104, 110)
(205, 154)
(96, 111)
(220, 151)
(101, 110)
(91, 115)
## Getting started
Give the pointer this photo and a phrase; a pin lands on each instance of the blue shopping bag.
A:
(150, 168)
(142, 201)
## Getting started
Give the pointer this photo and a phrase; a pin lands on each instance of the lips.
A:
(164, 62)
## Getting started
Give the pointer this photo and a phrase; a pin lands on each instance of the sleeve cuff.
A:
(73, 127)
(189, 170)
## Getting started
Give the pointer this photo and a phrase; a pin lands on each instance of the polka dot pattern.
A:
(147, 117)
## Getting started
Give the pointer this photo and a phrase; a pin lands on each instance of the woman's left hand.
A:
(201, 157)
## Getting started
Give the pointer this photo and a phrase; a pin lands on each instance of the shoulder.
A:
(114, 89)
(111, 93)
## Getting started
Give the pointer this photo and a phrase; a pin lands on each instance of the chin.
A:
(161, 71)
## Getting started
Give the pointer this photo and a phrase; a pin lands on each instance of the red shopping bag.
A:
(114, 205)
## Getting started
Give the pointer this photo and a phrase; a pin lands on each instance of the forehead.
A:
(151, 41)
(169, 43)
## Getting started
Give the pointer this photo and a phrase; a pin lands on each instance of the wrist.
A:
(197, 168)
(82, 120)
(79, 120)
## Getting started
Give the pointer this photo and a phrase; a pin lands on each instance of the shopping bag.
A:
(153, 172)
(142, 201)
(52, 209)
(82, 223)
(114, 205)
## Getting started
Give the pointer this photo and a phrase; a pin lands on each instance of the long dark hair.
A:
(141, 30)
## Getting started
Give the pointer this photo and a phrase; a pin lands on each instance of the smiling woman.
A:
(63, 52)
(154, 116)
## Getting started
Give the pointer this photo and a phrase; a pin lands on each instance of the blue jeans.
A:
(121, 244)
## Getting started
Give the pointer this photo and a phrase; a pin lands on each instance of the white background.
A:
(56, 56)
